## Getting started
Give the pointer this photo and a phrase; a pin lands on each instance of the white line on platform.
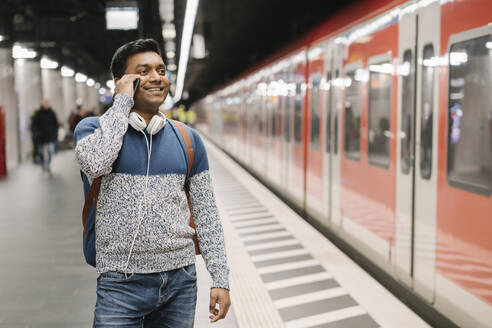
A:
(266, 236)
(297, 280)
(261, 228)
(273, 244)
(252, 216)
(288, 266)
(278, 255)
(325, 317)
(249, 212)
(311, 297)
(244, 206)
(246, 224)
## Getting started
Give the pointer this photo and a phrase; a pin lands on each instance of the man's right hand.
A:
(125, 84)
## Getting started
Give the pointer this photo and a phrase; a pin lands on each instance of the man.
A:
(45, 130)
(144, 248)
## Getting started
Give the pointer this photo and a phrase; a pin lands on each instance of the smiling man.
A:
(144, 250)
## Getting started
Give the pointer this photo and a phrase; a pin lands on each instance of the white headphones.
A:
(156, 123)
(138, 123)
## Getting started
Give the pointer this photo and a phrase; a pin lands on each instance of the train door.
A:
(263, 137)
(425, 206)
(259, 136)
(405, 159)
(275, 163)
(268, 111)
(297, 169)
(333, 75)
(243, 121)
(252, 104)
(287, 126)
(315, 166)
(417, 150)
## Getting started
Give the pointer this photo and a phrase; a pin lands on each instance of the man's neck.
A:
(147, 116)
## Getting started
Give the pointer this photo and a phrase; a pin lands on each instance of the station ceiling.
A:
(238, 34)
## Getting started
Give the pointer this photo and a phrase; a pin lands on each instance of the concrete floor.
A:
(44, 280)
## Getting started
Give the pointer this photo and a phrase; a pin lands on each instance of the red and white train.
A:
(378, 123)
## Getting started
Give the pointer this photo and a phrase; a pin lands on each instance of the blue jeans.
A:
(47, 150)
(165, 299)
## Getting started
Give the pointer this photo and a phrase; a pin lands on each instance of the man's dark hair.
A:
(118, 63)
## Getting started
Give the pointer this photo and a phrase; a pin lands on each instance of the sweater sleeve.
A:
(207, 221)
(98, 140)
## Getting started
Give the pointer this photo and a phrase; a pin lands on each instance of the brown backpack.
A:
(93, 193)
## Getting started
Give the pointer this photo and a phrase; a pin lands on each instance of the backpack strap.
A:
(191, 157)
(189, 150)
(91, 198)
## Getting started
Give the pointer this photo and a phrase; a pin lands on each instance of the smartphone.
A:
(136, 85)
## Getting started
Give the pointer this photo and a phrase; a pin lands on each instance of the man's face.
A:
(46, 104)
(154, 84)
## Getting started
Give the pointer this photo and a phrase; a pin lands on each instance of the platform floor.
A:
(283, 272)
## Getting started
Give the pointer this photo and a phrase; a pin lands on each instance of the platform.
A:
(284, 273)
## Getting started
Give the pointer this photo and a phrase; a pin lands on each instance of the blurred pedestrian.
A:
(75, 118)
(45, 123)
(37, 156)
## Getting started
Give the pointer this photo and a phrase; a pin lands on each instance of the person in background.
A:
(37, 156)
(191, 119)
(45, 123)
(75, 118)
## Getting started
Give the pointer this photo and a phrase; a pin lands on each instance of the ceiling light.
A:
(102, 91)
(79, 77)
(170, 54)
(198, 49)
(171, 67)
(20, 52)
(166, 10)
(90, 82)
(47, 63)
(189, 23)
(170, 46)
(97, 85)
(2, 38)
(67, 72)
(110, 84)
(488, 44)
(168, 31)
(122, 16)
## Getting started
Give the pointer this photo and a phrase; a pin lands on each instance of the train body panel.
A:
(464, 202)
(378, 124)
(369, 120)
(317, 98)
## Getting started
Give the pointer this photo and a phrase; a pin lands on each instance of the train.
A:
(378, 124)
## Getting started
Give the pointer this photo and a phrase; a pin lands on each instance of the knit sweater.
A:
(109, 147)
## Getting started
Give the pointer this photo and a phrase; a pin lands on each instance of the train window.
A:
(271, 114)
(328, 113)
(275, 119)
(298, 114)
(336, 105)
(426, 111)
(353, 92)
(469, 157)
(287, 121)
(315, 111)
(379, 131)
(259, 116)
(407, 111)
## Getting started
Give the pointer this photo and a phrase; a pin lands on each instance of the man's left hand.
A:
(219, 296)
